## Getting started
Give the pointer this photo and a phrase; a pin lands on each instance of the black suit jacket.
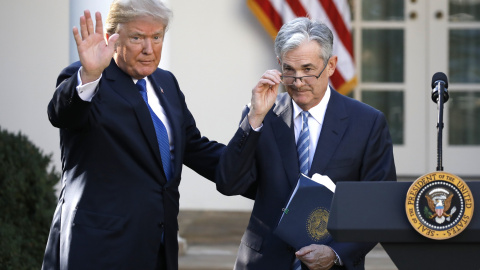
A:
(116, 205)
(354, 145)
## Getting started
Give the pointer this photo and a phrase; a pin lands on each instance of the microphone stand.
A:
(440, 127)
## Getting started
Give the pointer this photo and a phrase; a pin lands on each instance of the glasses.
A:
(308, 80)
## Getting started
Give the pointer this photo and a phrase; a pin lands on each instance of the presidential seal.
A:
(439, 205)
(317, 224)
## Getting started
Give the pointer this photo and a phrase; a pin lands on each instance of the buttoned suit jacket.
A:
(354, 145)
(116, 206)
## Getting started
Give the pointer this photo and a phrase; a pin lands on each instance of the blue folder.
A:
(305, 217)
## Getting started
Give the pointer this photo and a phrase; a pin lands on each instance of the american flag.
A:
(272, 14)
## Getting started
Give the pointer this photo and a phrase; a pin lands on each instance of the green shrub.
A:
(27, 202)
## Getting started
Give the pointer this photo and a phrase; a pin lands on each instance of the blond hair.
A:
(124, 11)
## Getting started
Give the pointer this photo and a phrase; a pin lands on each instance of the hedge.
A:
(27, 201)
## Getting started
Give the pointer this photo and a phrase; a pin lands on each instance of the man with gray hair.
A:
(125, 132)
(310, 129)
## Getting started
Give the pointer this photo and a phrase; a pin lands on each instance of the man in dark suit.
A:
(345, 140)
(122, 145)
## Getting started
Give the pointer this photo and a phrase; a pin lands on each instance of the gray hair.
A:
(124, 11)
(300, 30)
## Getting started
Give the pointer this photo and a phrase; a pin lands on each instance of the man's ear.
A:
(279, 62)
(107, 36)
(332, 65)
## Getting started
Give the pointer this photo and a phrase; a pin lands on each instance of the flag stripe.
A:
(337, 78)
(284, 10)
(344, 11)
(297, 8)
(267, 15)
(345, 65)
(337, 20)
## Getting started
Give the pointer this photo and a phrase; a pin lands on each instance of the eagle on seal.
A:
(438, 206)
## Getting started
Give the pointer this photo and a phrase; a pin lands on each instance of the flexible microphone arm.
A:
(439, 96)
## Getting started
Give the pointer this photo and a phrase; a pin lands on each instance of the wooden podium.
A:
(375, 212)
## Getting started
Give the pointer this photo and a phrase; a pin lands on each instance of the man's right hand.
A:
(263, 97)
(317, 257)
(95, 54)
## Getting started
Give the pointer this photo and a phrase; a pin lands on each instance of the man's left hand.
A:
(317, 257)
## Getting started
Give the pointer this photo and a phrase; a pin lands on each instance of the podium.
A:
(375, 212)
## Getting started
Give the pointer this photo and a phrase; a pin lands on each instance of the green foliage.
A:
(427, 212)
(27, 202)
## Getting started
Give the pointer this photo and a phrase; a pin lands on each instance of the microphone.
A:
(439, 82)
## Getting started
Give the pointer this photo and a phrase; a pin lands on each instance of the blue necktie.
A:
(160, 130)
(297, 265)
(303, 143)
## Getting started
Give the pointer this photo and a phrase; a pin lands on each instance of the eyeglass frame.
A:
(301, 77)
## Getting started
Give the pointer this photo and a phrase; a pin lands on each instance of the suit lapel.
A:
(123, 84)
(334, 126)
(283, 129)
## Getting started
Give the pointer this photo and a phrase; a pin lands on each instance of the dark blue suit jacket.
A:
(354, 145)
(116, 205)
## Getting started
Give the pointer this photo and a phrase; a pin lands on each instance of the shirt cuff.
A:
(257, 129)
(86, 91)
(338, 257)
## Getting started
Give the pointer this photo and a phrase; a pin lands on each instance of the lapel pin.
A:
(161, 90)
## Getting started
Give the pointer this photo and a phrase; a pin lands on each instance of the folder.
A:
(305, 217)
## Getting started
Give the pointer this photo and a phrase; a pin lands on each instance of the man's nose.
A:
(147, 46)
(298, 82)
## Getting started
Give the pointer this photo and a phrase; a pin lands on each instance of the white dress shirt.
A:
(315, 122)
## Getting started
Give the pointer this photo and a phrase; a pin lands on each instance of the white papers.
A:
(324, 180)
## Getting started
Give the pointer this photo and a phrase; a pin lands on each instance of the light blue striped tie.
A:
(303, 143)
(160, 130)
(297, 265)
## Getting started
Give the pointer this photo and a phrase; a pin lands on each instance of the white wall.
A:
(33, 50)
(77, 8)
(216, 48)
(218, 52)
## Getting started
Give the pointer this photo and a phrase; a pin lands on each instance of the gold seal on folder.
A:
(317, 224)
